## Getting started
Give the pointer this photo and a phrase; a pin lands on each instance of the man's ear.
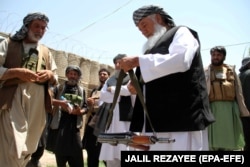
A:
(159, 19)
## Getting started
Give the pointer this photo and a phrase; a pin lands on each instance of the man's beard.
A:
(159, 31)
(218, 63)
(72, 82)
(33, 36)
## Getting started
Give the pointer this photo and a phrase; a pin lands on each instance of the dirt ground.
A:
(48, 159)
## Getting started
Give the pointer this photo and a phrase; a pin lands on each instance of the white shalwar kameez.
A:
(112, 154)
(153, 66)
(22, 125)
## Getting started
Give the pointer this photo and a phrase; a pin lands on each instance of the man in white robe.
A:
(110, 153)
(171, 73)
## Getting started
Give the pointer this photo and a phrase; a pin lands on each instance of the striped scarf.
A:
(149, 10)
(22, 33)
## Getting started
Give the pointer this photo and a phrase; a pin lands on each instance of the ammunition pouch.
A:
(30, 61)
(222, 85)
(73, 98)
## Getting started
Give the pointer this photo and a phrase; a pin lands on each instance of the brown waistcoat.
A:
(14, 60)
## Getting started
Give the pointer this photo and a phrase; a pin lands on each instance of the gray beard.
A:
(33, 36)
(159, 31)
(72, 82)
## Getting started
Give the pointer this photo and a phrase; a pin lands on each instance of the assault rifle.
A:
(131, 139)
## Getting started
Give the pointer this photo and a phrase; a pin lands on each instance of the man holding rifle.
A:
(171, 74)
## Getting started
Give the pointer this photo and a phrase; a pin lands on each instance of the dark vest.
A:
(245, 82)
(14, 60)
(176, 102)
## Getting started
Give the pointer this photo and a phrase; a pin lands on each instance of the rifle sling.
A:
(135, 83)
(139, 93)
(116, 95)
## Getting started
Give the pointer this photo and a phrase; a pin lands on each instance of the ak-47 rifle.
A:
(121, 138)
(129, 138)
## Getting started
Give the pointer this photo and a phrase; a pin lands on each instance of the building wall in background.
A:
(89, 68)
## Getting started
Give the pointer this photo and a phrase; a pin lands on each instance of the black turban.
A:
(245, 63)
(119, 56)
(149, 10)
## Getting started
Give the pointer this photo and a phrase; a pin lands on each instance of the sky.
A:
(99, 30)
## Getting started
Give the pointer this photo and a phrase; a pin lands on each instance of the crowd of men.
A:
(207, 108)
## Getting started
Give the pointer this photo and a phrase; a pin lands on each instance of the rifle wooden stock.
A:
(150, 140)
(142, 139)
(139, 146)
(131, 139)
